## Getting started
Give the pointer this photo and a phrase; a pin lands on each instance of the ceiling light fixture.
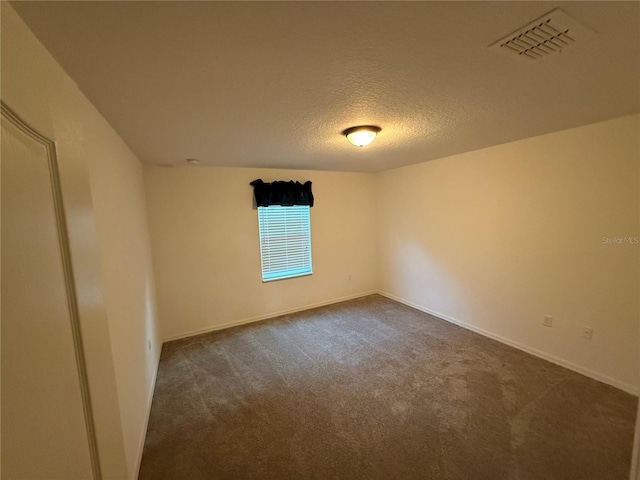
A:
(192, 161)
(362, 135)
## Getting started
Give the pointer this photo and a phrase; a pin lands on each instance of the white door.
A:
(47, 430)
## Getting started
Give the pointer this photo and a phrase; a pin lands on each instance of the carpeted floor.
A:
(372, 389)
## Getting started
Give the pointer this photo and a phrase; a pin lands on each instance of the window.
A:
(285, 241)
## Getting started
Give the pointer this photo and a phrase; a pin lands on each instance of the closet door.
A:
(47, 431)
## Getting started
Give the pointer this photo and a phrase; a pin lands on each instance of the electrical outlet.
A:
(547, 321)
(587, 333)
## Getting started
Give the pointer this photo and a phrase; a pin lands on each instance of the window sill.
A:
(295, 275)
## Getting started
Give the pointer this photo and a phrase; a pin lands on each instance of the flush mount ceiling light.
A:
(362, 135)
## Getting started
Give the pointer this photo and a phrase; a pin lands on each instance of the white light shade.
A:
(361, 136)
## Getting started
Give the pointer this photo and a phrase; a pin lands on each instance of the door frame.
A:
(65, 254)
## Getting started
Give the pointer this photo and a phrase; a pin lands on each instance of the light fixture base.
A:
(361, 135)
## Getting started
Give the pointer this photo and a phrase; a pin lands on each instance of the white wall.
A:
(117, 189)
(204, 236)
(102, 188)
(499, 237)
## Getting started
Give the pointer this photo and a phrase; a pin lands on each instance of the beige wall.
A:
(204, 235)
(117, 189)
(103, 193)
(497, 238)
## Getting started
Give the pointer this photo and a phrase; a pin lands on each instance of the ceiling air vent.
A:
(545, 36)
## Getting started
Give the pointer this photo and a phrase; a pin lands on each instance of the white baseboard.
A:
(143, 436)
(520, 346)
(512, 343)
(245, 321)
(635, 460)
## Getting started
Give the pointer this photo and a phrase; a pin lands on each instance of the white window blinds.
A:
(285, 241)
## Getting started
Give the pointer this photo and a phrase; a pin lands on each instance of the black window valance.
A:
(282, 193)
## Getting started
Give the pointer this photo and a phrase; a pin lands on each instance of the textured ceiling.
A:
(272, 84)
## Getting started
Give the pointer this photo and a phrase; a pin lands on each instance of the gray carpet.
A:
(372, 389)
